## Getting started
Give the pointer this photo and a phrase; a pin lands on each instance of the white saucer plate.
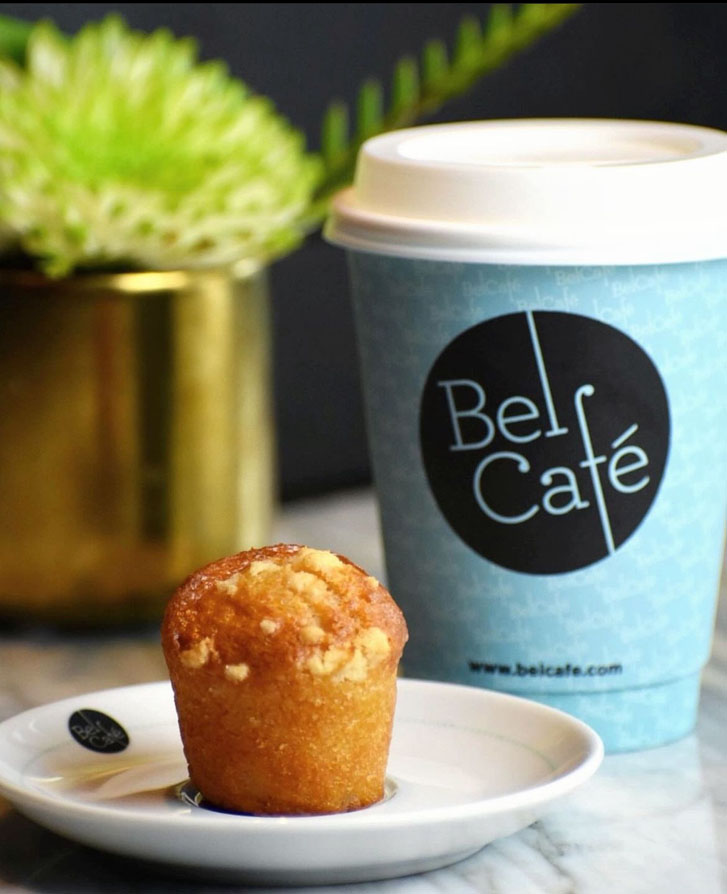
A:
(466, 766)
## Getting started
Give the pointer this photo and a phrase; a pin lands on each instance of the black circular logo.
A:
(97, 731)
(544, 437)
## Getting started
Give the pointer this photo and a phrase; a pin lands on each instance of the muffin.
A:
(283, 662)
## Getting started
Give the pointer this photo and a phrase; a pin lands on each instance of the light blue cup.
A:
(547, 406)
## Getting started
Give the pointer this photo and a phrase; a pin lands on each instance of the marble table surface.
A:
(651, 821)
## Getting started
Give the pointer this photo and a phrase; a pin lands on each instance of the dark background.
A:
(663, 61)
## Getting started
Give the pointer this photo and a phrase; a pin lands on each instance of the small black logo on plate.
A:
(97, 731)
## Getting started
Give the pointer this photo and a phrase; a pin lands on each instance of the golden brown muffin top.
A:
(283, 608)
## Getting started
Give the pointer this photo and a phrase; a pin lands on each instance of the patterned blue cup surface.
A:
(548, 450)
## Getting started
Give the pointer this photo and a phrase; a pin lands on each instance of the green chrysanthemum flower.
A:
(120, 148)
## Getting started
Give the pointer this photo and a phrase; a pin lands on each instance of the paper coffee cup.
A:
(541, 310)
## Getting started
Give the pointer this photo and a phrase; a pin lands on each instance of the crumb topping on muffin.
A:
(287, 609)
(198, 654)
(237, 672)
(368, 649)
(267, 625)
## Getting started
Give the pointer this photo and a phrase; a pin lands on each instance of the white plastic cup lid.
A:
(559, 191)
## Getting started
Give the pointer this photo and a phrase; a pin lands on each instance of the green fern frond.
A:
(435, 65)
(405, 86)
(369, 110)
(335, 133)
(468, 45)
(477, 51)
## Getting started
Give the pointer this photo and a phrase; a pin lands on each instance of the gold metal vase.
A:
(136, 436)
